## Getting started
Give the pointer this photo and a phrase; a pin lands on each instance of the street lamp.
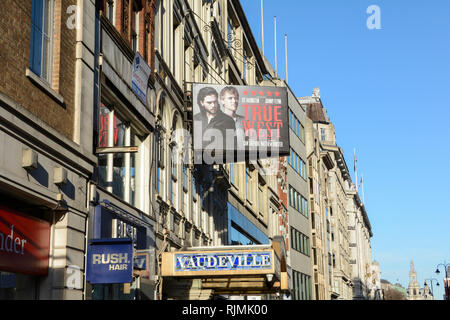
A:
(431, 280)
(447, 297)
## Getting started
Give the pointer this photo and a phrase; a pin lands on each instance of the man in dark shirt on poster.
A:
(214, 123)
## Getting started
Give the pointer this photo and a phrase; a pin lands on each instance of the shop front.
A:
(24, 253)
(120, 255)
(210, 272)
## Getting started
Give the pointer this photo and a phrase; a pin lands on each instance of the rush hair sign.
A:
(110, 261)
(24, 243)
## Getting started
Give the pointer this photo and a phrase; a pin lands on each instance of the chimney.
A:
(316, 92)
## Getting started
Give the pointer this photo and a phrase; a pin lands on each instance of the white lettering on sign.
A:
(12, 242)
(228, 261)
(114, 267)
(110, 258)
(121, 229)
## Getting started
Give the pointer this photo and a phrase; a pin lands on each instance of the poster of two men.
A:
(240, 122)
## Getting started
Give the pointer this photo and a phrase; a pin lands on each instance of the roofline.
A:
(249, 34)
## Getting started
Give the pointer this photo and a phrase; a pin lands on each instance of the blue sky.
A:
(387, 92)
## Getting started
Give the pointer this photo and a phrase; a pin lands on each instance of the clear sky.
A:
(387, 92)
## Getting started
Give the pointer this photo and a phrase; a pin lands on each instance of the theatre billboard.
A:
(239, 122)
(222, 262)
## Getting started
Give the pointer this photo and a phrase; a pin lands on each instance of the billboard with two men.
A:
(237, 123)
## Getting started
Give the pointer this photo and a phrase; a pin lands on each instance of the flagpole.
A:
(275, 36)
(362, 183)
(285, 49)
(356, 171)
(262, 26)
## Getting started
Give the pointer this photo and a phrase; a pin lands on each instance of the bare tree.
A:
(393, 294)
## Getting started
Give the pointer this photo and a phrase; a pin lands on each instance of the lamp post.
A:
(447, 297)
(431, 280)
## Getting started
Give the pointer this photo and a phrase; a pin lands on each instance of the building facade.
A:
(341, 228)
(319, 163)
(360, 233)
(205, 205)
(376, 291)
(124, 120)
(299, 259)
(96, 109)
(47, 158)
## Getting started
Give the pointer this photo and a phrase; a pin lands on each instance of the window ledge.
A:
(44, 86)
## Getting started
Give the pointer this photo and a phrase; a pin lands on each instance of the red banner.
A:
(24, 243)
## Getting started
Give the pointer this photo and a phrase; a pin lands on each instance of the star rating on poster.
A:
(261, 93)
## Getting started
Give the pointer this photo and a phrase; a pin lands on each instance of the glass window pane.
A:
(132, 178)
(118, 132)
(46, 39)
(16, 286)
(103, 126)
(118, 182)
(102, 163)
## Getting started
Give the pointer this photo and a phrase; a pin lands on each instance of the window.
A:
(117, 172)
(296, 162)
(298, 202)
(249, 191)
(173, 190)
(232, 173)
(160, 168)
(135, 33)
(41, 38)
(230, 35)
(300, 242)
(185, 177)
(322, 134)
(195, 204)
(16, 286)
(296, 126)
(185, 194)
(240, 237)
(302, 286)
(110, 10)
(244, 66)
(261, 202)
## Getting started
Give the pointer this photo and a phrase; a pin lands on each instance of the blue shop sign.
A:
(110, 261)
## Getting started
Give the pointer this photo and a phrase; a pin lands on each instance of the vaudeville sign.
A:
(110, 261)
(223, 261)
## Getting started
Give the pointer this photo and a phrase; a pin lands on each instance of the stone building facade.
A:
(205, 205)
(341, 228)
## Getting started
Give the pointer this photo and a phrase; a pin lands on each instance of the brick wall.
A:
(125, 24)
(15, 27)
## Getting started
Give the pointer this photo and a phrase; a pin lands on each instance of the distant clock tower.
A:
(414, 287)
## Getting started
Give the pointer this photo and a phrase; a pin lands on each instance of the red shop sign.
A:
(24, 243)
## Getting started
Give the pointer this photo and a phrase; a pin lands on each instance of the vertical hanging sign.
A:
(139, 77)
(110, 261)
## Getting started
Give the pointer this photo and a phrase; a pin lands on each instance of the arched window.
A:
(161, 141)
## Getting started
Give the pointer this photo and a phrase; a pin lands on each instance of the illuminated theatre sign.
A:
(240, 120)
(218, 263)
